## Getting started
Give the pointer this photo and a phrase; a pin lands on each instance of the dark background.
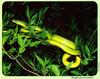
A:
(60, 14)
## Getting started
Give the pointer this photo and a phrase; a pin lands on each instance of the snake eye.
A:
(71, 58)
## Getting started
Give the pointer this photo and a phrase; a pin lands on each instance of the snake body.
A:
(66, 45)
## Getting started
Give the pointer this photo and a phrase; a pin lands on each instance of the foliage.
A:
(31, 52)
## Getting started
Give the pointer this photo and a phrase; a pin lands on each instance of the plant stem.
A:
(14, 58)
(92, 36)
(29, 65)
(63, 72)
(7, 54)
(93, 51)
(26, 68)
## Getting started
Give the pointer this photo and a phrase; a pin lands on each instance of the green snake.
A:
(56, 40)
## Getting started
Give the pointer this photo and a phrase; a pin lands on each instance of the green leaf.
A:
(6, 67)
(28, 42)
(82, 49)
(55, 70)
(73, 24)
(20, 40)
(76, 73)
(43, 34)
(24, 41)
(16, 30)
(12, 50)
(68, 66)
(28, 12)
(6, 35)
(4, 16)
(31, 29)
(40, 60)
(87, 50)
(35, 43)
(34, 16)
(33, 19)
(5, 19)
(40, 14)
(4, 39)
(45, 9)
(76, 40)
(9, 66)
(31, 63)
(49, 66)
(46, 61)
(94, 51)
(3, 67)
(84, 62)
(21, 49)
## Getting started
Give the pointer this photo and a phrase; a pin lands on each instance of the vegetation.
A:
(27, 53)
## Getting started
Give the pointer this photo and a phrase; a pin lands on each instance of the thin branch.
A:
(63, 72)
(7, 54)
(93, 51)
(26, 69)
(29, 65)
(14, 58)
(92, 36)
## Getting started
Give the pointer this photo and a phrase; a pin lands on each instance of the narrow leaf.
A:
(45, 9)
(35, 43)
(28, 12)
(49, 66)
(76, 73)
(9, 66)
(31, 63)
(40, 13)
(21, 50)
(46, 61)
(40, 60)
(4, 39)
(28, 42)
(84, 62)
(56, 70)
(33, 19)
(87, 50)
(24, 41)
(76, 40)
(20, 40)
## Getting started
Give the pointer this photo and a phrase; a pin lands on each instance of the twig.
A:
(7, 54)
(26, 69)
(93, 51)
(92, 36)
(14, 58)
(63, 72)
(29, 65)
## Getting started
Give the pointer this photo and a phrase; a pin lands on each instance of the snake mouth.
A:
(71, 58)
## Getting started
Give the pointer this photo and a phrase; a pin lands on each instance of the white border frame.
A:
(97, 76)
